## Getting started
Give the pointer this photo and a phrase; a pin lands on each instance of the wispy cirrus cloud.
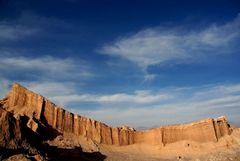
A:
(29, 24)
(137, 97)
(13, 32)
(26, 25)
(166, 95)
(44, 68)
(160, 45)
(51, 88)
(4, 86)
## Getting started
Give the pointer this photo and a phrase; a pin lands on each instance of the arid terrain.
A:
(34, 128)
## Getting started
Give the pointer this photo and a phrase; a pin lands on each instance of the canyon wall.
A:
(40, 110)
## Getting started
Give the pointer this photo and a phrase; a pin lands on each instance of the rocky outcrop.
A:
(11, 136)
(43, 113)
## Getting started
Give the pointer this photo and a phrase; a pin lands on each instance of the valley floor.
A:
(75, 148)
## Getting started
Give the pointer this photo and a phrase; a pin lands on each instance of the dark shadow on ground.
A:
(53, 153)
(72, 154)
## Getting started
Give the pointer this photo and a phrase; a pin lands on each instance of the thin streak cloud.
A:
(138, 97)
(11, 32)
(45, 68)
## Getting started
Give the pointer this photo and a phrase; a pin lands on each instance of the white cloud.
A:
(4, 87)
(138, 97)
(159, 45)
(149, 77)
(46, 67)
(205, 95)
(217, 90)
(49, 89)
(28, 24)
(15, 32)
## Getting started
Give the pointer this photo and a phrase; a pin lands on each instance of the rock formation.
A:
(11, 136)
(42, 114)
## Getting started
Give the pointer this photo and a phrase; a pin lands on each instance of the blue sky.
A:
(140, 63)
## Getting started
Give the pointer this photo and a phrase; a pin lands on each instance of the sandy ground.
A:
(226, 149)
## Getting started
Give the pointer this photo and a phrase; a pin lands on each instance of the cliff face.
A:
(44, 113)
(200, 131)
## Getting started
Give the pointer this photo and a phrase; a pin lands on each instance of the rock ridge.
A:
(42, 113)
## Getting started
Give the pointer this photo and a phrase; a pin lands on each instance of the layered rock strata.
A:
(41, 111)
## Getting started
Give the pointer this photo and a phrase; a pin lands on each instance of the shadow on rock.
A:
(5, 153)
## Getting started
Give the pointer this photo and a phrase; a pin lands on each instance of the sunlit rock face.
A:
(42, 115)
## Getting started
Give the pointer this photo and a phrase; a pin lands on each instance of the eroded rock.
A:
(44, 114)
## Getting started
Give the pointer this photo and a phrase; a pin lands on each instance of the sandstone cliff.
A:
(43, 114)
